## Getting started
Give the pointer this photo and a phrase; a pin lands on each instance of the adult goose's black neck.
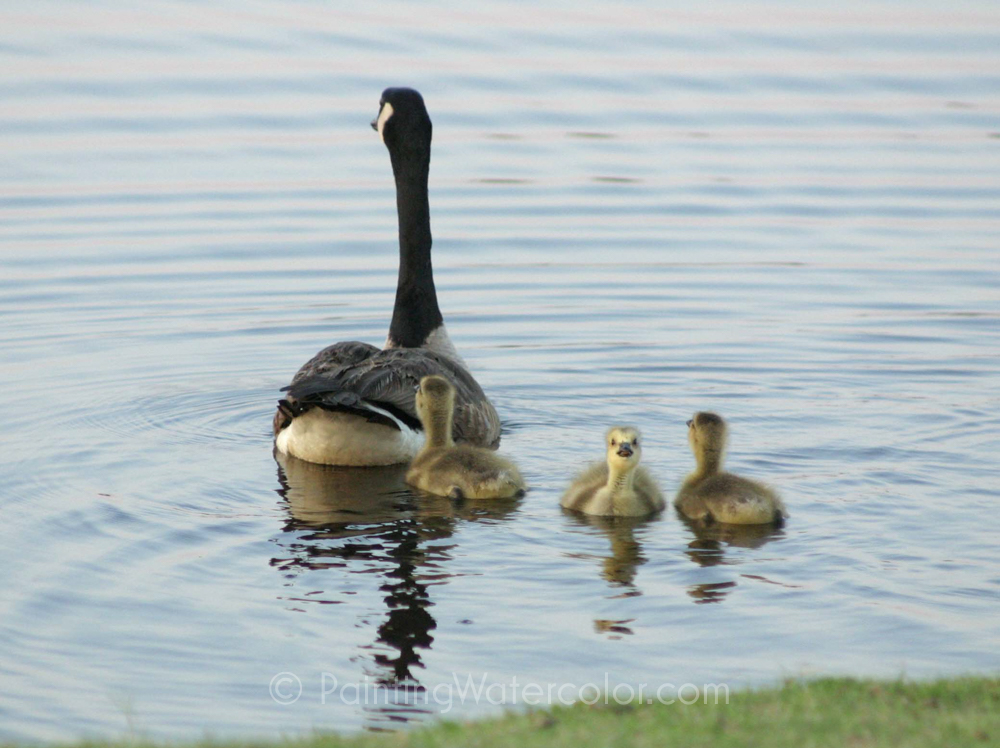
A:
(416, 313)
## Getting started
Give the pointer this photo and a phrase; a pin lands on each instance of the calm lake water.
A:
(789, 216)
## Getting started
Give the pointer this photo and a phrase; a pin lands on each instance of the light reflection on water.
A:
(785, 215)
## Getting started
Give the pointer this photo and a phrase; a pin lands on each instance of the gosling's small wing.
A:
(478, 472)
(589, 481)
(734, 499)
(648, 489)
(386, 380)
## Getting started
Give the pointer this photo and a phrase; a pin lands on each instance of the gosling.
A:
(710, 495)
(458, 471)
(617, 487)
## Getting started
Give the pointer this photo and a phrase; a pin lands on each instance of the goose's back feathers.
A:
(330, 359)
(333, 358)
(378, 385)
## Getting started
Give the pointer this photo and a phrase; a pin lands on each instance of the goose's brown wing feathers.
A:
(329, 360)
(351, 376)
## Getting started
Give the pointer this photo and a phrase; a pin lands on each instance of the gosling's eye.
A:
(613, 442)
(635, 442)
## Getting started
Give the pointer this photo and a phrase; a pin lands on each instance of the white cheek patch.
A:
(383, 117)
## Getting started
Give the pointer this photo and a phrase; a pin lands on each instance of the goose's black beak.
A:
(375, 124)
(625, 450)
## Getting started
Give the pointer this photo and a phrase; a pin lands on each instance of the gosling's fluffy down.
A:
(617, 487)
(710, 495)
(460, 471)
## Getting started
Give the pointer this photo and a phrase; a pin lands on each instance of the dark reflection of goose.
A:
(709, 549)
(367, 521)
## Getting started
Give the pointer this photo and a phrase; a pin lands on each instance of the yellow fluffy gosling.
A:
(617, 487)
(459, 471)
(710, 495)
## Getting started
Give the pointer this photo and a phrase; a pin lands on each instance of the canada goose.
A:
(617, 487)
(459, 471)
(352, 403)
(710, 495)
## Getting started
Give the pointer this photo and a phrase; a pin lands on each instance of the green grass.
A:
(828, 712)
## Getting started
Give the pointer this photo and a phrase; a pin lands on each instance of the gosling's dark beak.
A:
(689, 423)
(624, 449)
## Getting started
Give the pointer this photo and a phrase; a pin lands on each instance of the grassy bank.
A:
(828, 712)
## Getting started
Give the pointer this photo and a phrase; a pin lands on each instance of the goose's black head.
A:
(402, 120)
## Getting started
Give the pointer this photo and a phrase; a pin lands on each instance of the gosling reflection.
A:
(708, 548)
(620, 568)
(366, 521)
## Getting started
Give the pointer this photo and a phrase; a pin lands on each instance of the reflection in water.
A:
(714, 592)
(321, 496)
(616, 629)
(364, 521)
(708, 549)
(619, 569)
